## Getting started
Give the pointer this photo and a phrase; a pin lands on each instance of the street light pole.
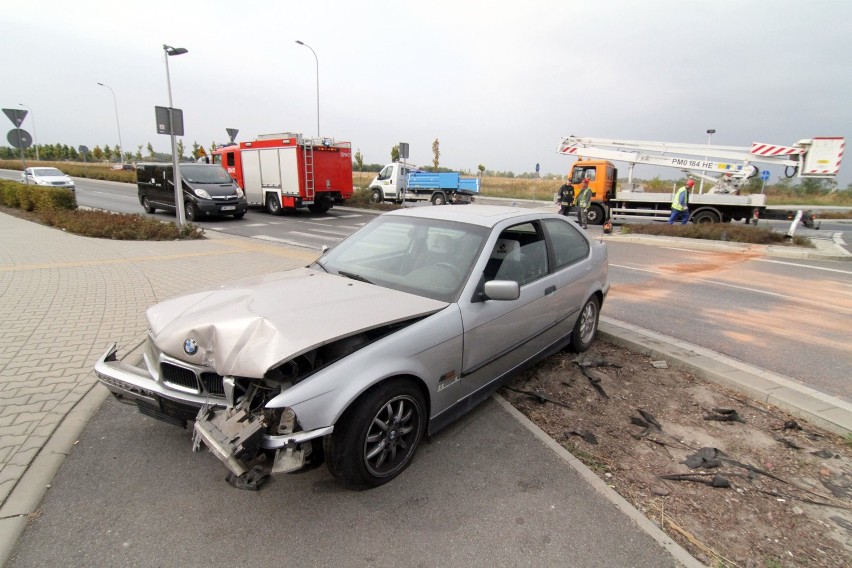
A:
(169, 51)
(710, 133)
(317, 60)
(35, 137)
(117, 124)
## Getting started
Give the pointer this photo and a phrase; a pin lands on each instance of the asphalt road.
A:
(790, 317)
(133, 494)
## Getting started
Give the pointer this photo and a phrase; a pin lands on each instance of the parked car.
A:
(389, 336)
(207, 190)
(47, 176)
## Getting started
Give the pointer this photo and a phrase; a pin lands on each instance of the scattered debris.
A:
(792, 425)
(789, 443)
(660, 364)
(724, 415)
(650, 419)
(825, 454)
(587, 436)
(718, 480)
(539, 396)
(705, 458)
(595, 378)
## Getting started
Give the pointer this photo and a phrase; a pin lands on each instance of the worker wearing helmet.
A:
(680, 204)
(584, 200)
(565, 199)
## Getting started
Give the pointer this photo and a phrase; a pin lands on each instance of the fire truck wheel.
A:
(192, 212)
(318, 207)
(273, 205)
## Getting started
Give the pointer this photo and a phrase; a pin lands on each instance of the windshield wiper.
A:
(353, 276)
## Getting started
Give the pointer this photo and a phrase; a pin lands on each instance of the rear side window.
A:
(230, 157)
(569, 246)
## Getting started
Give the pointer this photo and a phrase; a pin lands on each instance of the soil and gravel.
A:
(734, 481)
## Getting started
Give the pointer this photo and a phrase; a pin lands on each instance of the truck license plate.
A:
(229, 207)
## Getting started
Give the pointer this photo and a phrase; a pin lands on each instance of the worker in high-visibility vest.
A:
(584, 200)
(680, 204)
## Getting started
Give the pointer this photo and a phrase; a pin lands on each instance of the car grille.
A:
(201, 383)
(58, 183)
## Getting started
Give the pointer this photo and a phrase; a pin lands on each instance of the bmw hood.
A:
(253, 325)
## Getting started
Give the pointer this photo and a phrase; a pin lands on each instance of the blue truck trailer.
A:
(399, 182)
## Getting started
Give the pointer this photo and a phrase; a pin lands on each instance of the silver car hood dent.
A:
(251, 326)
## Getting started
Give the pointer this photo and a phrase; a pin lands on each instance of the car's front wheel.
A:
(377, 436)
(147, 205)
(586, 326)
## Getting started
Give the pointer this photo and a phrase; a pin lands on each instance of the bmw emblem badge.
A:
(190, 346)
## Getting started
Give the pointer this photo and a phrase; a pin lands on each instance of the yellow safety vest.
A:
(676, 205)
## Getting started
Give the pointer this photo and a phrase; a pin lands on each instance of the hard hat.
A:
(690, 183)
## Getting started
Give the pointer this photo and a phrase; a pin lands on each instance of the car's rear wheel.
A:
(377, 436)
(586, 326)
(147, 205)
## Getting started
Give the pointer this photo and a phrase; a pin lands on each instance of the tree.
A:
(195, 147)
(97, 153)
(180, 149)
(139, 153)
(108, 152)
(128, 156)
(359, 160)
(212, 149)
(150, 151)
(481, 169)
(436, 153)
(395, 153)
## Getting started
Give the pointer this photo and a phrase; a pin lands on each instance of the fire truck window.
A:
(230, 158)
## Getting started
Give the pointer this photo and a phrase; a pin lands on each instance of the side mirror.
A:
(502, 290)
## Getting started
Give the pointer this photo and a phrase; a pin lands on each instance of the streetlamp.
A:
(317, 60)
(710, 133)
(181, 218)
(35, 138)
(117, 124)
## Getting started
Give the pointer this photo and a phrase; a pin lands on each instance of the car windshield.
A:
(420, 256)
(47, 172)
(205, 174)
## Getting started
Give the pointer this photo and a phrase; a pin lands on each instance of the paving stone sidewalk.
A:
(65, 298)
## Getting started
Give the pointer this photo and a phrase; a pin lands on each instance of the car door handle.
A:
(549, 290)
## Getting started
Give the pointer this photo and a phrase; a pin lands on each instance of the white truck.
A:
(399, 182)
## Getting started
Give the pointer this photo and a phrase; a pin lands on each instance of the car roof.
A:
(484, 215)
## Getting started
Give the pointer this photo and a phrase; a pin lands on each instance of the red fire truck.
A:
(288, 170)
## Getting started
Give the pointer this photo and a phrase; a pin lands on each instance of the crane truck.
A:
(733, 167)
(290, 171)
(404, 182)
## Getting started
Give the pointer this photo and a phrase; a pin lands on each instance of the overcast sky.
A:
(497, 82)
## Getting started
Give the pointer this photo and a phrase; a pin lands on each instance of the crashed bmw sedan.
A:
(399, 329)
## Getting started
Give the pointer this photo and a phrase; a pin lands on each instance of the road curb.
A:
(818, 408)
(27, 496)
(599, 485)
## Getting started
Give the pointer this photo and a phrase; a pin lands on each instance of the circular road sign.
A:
(19, 138)
(764, 175)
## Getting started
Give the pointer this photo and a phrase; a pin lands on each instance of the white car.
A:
(47, 176)
(391, 335)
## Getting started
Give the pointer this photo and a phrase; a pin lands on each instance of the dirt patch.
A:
(766, 489)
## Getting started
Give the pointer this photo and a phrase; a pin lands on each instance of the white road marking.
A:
(803, 265)
(255, 225)
(313, 236)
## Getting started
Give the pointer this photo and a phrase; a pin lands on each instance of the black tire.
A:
(319, 207)
(439, 199)
(377, 436)
(273, 204)
(239, 215)
(147, 205)
(705, 216)
(377, 196)
(595, 215)
(192, 212)
(586, 326)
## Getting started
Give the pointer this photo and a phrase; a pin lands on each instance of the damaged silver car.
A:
(391, 335)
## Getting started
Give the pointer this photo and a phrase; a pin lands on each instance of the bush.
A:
(363, 198)
(716, 232)
(36, 197)
(118, 226)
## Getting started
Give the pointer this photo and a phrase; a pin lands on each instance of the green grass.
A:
(716, 232)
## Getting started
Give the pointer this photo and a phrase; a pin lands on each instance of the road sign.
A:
(232, 133)
(19, 138)
(169, 122)
(17, 116)
(403, 150)
(764, 175)
(537, 168)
